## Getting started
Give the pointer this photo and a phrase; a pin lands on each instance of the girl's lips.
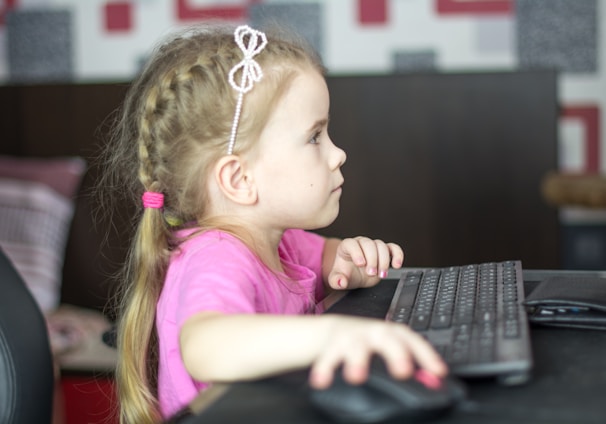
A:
(340, 186)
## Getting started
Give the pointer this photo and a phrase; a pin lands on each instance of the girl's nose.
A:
(338, 157)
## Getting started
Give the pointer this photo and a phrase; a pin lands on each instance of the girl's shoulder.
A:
(210, 243)
(218, 245)
(186, 235)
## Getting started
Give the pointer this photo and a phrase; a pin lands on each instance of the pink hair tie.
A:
(153, 200)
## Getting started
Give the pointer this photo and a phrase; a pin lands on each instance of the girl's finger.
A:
(371, 255)
(397, 255)
(384, 258)
(350, 250)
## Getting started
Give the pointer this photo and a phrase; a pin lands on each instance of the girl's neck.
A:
(263, 242)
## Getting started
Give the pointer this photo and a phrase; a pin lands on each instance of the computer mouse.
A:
(382, 397)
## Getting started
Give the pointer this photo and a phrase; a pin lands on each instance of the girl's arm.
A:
(218, 347)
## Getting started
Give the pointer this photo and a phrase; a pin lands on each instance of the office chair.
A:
(26, 364)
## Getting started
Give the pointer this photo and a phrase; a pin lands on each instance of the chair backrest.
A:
(26, 365)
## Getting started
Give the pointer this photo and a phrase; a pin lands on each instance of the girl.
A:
(224, 135)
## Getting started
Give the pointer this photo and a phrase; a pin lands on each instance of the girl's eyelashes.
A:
(315, 139)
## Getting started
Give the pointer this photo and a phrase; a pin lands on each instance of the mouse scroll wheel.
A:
(428, 379)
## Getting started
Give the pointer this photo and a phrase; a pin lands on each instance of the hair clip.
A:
(251, 71)
(152, 200)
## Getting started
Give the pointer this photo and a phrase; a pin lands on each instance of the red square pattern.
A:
(118, 16)
(589, 115)
(187, 12)
(5, 7)
(445, 7)
(372, 12)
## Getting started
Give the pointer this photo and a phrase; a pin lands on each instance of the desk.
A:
(568, 383)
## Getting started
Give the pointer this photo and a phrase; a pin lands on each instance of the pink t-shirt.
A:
(214, 271)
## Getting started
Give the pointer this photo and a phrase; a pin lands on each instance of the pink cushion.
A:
(61, 174)
(36, 209)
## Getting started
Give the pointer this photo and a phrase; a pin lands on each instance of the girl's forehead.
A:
(305, 84)
(304, 102)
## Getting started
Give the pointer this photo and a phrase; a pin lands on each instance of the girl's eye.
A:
(315, 139)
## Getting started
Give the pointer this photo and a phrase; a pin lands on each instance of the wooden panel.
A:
(449, 165)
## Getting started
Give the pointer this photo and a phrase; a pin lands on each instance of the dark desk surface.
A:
(568, 383)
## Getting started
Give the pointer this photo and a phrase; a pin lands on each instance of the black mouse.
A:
(383, 397)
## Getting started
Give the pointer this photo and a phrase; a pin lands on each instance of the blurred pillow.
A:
(62, 174)
(36, 209)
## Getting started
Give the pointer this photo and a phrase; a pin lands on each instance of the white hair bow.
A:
(251, 42)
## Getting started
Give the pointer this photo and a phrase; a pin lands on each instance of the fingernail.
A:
(372, 271)
(428, 379)
(383, 274)
(339, 283)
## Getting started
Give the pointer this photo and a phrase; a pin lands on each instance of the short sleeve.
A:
(217, 276)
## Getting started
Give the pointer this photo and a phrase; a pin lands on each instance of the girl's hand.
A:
(354, 341)
(362, 262)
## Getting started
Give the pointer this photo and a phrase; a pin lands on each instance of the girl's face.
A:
(298, 168)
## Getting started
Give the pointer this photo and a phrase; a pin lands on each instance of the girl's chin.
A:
(329, 219)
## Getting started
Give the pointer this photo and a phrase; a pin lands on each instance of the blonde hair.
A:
(174, 125)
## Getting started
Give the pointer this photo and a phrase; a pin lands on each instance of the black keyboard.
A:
(472, 314)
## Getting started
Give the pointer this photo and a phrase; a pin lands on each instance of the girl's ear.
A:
(234, 182)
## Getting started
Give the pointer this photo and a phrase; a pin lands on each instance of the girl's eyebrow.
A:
(319, 123)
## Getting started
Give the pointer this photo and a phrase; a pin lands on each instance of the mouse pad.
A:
(578, 302)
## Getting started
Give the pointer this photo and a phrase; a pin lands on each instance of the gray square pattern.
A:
(303, 19)
(494, 35)
(39, 45)
(414, 61)
(560, 34)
